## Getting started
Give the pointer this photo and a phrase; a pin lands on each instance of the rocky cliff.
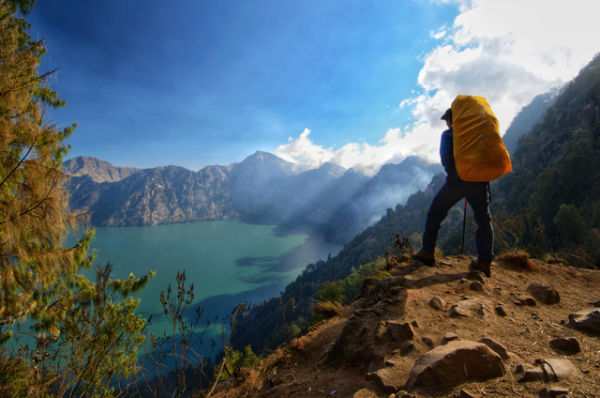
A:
(530, 330)
(262, 188)
(98, 170)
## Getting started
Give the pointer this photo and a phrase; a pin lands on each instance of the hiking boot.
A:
(481, 266)
(425, 257)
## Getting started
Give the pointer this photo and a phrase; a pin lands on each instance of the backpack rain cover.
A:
(479, 153)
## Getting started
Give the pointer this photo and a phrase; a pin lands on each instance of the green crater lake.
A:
(229, 262)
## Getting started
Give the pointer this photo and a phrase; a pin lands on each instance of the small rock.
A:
(364, 393)
(381, 330)
(569, 344)
(596, 304)
(437, 303)
(519, 368)
(448, 337)
(497, 347)
(466, 394)
(407, 348)
(415, 324)
(476, 286)
(554, 391)
(455, 363)
(525, 300)
(501, 310)
(428, 341)
(588, 319)
(400, 331)
(543, 293)
(390, 379)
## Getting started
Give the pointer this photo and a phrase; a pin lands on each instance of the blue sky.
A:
(356, 82)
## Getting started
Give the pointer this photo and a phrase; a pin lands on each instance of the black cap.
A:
(447, 115)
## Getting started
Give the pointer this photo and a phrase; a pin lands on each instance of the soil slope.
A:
(370, 349)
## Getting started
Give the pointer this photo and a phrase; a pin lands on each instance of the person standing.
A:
(455, 189)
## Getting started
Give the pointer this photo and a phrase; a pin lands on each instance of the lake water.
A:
(229, 262)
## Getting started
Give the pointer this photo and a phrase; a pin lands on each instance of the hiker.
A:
(478, 196)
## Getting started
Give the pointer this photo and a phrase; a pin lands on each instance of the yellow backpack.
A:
(479, 153)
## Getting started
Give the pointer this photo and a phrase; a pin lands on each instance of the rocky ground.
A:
(528, 331)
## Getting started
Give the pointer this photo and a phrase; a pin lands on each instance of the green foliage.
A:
(234, 360)
(331, 291)
(36, 270)
(556, 177)
(570, 225)
(78, 337)
(178, 357)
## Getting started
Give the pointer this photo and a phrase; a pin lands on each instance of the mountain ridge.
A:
(262, 188)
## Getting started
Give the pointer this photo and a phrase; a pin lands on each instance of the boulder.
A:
(569, 345)
(543, 293)
(497, 347)
(391, 379)
(455, 363)
(550, 369)
(476, 306)
(588, 319)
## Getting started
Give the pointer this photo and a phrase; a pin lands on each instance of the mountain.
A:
(529, 116)
(154, 196)
(262, 188)
(98, 170)
(392, 185)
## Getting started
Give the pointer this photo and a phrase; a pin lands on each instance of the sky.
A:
(355, 82)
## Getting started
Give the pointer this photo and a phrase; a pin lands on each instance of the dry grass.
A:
(328, 308)
(518, 260)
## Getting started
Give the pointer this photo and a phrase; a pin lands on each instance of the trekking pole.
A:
(462, 250)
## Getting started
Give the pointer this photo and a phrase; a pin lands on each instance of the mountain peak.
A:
(98, 170)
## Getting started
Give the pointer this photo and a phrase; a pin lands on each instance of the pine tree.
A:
(33, 204)
(86, 334)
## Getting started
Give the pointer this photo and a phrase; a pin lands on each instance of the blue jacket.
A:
(447, 153)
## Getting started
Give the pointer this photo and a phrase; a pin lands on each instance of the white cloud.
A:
(505, 50)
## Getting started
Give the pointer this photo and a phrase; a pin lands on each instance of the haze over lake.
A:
(229, 262)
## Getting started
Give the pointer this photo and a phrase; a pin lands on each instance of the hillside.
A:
(555, 184)
(527, 118)
(421, 326)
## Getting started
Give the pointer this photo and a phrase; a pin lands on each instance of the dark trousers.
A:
(478, 196)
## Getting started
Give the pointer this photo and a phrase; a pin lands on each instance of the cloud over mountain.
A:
(508, 51)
